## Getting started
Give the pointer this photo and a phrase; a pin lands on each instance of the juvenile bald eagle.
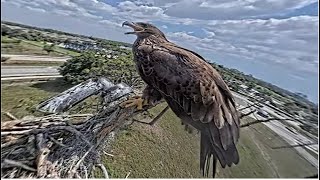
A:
(193, 89)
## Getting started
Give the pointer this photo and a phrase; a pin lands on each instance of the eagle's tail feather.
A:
(205, 155)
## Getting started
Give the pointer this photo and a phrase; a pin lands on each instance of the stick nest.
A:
(59, 146)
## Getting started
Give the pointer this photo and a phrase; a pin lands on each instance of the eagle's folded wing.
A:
(186, 79)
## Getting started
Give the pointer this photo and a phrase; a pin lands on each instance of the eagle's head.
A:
(142, 29)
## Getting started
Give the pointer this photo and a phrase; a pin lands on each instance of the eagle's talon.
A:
(134, 101)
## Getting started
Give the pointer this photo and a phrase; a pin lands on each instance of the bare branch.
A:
(12, 117)
(108, 154)
(104, 170)
(74, 169)
(128, 174)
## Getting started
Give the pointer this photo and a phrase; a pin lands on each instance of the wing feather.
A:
(187, 81)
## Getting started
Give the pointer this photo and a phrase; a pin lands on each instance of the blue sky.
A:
(274, 40)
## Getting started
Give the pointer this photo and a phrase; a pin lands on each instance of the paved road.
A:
(35, 58)
(21, 71)
(292, 137)
(28, 78)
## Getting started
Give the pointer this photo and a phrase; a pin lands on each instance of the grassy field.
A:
(15, 46)
(166, 150)
(31, 63)
(21, 99)
(56, 48)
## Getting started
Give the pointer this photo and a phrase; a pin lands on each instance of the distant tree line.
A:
(115, 43)
(30, 35)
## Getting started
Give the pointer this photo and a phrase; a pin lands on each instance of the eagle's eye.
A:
(144, 25)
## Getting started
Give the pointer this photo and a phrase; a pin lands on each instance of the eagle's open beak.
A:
(134, 26)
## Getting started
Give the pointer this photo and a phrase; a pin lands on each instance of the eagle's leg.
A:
(149, 97)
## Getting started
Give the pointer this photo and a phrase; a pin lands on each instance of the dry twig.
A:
(11, 163)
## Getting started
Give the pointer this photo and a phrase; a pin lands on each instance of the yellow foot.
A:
(134, 101)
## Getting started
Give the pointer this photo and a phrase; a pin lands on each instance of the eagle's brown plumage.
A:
(193, 89)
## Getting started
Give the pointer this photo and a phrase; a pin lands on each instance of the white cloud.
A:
(290, 43)
(110, 24)
(164, 27)
(232, 9)
(132, 11)
(209, 33)
(82, 8)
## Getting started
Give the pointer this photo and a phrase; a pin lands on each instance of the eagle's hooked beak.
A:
(134, 26)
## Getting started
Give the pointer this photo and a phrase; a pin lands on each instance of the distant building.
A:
(253, 92)
(80, 45)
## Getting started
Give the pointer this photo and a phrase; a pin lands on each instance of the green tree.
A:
(91, 64)
(250, 85)
(5, 30)
(27, 36)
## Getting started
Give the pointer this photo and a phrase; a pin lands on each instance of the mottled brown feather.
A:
(195, 92)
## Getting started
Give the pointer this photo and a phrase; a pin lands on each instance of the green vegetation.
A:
(31, 63)
(35, 34)
(48, 48)
(56, 49)
(166, 150)
(16, 46)
(26, 34)
(22, 99)
(162, 151)
(90, 64)
(12, 45)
